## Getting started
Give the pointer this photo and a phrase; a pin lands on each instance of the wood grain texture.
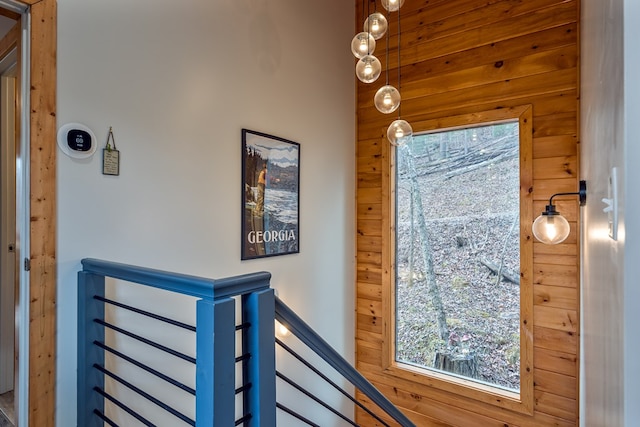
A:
(556, 361)
(9, 14)
(10, 40)
(462, 57)
(556, 296)
(42, 276)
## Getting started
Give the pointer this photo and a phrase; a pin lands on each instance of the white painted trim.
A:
(21, 392)
(14, 6)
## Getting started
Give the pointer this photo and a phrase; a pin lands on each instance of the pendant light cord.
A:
(368, 27)
(399, 86)
(387, 53)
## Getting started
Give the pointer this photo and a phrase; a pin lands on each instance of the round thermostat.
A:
(77, 140)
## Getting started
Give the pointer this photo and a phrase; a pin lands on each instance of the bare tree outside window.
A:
(458, 253)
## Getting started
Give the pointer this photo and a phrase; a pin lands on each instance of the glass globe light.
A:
(392, 5)
(363, 44)
(387, 99)
(376, 25)
(551, 227)
(399, 132)
(368, 69)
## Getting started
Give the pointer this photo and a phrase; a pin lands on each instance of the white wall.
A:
(632, 212)
(178, 80)
(609, 111)
(601, 137)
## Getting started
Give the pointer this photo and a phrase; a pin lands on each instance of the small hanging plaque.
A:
(110, 157)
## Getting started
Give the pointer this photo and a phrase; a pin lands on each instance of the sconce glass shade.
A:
(392, 5)
(551, 228)
(387, 99)
(363, 44)
(399, 132)
(376, 25)
(368, 69)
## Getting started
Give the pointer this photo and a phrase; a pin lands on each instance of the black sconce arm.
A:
(582, 193)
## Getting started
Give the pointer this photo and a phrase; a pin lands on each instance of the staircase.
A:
(140, 367)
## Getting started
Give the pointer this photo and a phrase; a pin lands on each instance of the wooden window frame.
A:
(522, 401)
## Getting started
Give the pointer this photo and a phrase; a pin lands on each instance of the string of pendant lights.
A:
(368, 68)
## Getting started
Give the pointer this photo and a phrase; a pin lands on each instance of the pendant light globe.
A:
(392, 5)
(363, 44)
(376, 25)
(368, 69)
(399, 132)
(387, 99)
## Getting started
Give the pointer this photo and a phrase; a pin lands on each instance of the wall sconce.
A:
(552, 228)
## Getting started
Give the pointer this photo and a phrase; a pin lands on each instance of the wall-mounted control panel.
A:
(77, 140)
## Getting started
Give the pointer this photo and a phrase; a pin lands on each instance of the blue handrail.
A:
(215, 358)
(180, 283)
(311, 339)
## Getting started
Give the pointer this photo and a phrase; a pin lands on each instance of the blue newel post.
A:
(259, 312)
(215, 382)
(89, 308)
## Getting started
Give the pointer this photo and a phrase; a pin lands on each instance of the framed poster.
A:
(270, 195)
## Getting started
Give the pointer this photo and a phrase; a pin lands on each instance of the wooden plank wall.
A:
(459, 57)
(43, 199)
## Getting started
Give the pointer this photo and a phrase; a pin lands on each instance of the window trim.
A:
(522, 401)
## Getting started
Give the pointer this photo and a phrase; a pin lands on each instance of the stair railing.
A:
(215, 358)
(318, 345)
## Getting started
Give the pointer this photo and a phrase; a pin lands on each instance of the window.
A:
(460, 285)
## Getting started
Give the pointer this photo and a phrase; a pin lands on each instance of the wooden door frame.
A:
(42, 201)
(9, 128)
(42, 205)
